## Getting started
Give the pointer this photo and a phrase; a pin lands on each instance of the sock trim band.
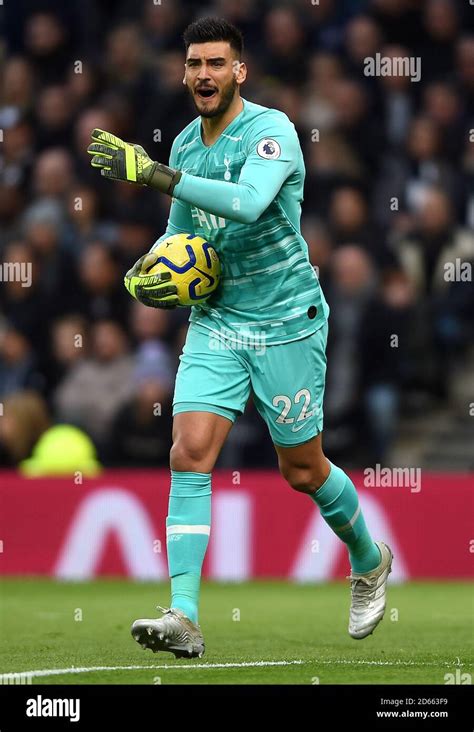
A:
(351, 522)
(186, 529)
(187, 473)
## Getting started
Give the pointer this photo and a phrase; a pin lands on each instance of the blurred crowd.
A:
(389, 200)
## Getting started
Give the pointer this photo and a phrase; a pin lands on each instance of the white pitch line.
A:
(248, 664)
(85, 670)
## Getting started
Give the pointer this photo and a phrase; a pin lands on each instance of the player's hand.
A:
(128, 162)
(153, 290)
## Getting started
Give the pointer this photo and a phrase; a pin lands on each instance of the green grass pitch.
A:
(427, 633)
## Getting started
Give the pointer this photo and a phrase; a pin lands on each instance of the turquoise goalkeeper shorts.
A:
(287, 381)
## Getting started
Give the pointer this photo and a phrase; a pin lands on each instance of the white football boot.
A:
(174, 632)
(368, 595)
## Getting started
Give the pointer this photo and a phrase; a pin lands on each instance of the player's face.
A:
(212, 75)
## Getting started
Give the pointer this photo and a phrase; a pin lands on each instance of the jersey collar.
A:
(225, 131)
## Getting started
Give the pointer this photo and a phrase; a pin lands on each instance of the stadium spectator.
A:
(352, 286)
(84, 224)
(394, 101)
(400, 21)
(465, 69)
(55, 274)
(16, 156)
(149, 325)
(162, 26)
(468, 170)
(18, 364)
(23, 304)
(53, 173)
(362, 39)
(282, 55)
(405, 178)
(53, 120)
(101, 291)
(11, 204)
(69, 346)
(83, 84)
(441, 25)
(140, 434)
(350, 222)
(318, 111)
(331, 165)
(394, 346)
(47, 46)
(435, 241)
(356, 124)
(25, 418)
(442, 103)
(438, 257)
(17, 93)
(94, 389)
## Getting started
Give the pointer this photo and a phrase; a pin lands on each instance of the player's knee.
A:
(305, 477)
(188, 456)
(299, 478)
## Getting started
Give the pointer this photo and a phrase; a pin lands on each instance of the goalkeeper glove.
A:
(128, 162)
(153, 290)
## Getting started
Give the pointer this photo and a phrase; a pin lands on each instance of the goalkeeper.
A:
(236, 176)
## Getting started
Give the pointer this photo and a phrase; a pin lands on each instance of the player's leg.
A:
(289, 390)
(212, 388)
(306, 469)
(198, 438)
(290, 395)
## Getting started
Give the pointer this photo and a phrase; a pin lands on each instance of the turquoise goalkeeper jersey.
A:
(244, 194)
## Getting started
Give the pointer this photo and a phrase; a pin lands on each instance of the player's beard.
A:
(227, 95)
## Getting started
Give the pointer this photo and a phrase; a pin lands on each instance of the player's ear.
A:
(240, 71)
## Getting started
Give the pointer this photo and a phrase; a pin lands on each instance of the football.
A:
(194, 266)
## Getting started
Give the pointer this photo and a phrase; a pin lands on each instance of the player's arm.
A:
(260, 180)
(157, 291)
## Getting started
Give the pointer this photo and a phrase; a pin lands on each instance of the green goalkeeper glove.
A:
(153, 290)
(128, 162)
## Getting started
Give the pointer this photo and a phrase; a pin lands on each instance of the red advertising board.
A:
(115, 525)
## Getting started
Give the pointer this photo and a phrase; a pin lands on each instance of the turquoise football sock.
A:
(339, 505)
(188, 525)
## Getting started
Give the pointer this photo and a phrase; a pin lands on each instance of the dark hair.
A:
(207, 30)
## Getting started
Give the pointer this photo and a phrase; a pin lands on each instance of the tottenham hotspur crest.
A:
(269, 149)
